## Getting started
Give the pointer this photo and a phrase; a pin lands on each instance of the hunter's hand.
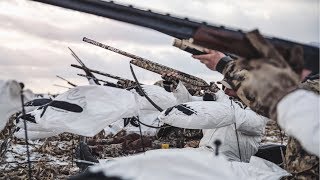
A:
(170, 76)
(170, 81)
(211, 59)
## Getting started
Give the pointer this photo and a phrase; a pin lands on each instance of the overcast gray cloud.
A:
(35, 37)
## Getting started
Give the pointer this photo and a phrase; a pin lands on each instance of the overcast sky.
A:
(35, 37)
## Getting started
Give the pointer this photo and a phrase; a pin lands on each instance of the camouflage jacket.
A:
(297, 161)
(278, 74)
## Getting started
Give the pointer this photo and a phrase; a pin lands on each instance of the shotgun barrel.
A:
(106, 83)
(67, 81)
(104, 74)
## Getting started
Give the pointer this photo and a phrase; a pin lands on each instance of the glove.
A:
(170, 81)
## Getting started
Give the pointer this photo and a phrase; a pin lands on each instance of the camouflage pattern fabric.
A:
(172, 82)
(178, 137)
(8, 129)
(126, 83)
(279, 77)
(299, 163)
(194, 91)
(311, 85)
(161, 69)
(159, 83)
(262, 82)
(212, 88)
(6, 134)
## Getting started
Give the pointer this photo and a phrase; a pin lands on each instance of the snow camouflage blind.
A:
(10, 100)
(86, 110)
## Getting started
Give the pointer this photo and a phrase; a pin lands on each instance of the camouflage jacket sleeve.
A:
(222, 64)
(263, 81)
(234, 75)
(232, 72)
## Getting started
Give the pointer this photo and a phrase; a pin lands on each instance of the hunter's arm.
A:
(223, 63)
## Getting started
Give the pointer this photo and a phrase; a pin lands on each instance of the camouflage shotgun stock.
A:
(128, 84)
(152, 66)
(160, 69)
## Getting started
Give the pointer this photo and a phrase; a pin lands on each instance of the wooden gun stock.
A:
(224, 41)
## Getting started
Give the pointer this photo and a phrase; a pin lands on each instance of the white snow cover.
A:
(257, 169)
(198, 115)
(182, 94)
(86, 110)
(247, 124)
(114, 128)
(219, 120)
(158, 95)
(32, 126)
(193, 113)
(99, 107)
(10, 101)
(33, 135)
(187, 163)
(35, 131)
(148, 117)
(298, 115)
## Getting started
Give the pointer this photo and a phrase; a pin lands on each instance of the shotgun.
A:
(88, 73)
(106, 83)
(62, 86)
(211, 36)
(125, 83)
(152, 66)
